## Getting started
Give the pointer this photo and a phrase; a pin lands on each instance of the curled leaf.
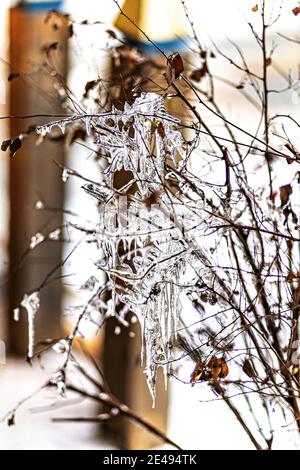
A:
(13, 76)
(111, 33)
(218, 367)
(198, 74)
(5, 144)
(248, 369)
(175, 67)
(15, 145)
(284, 193)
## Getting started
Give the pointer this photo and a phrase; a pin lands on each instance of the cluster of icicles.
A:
(142, 248)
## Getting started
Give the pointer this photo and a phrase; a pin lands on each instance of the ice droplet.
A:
(65, 175)
(31, 302)
(16, 314)
(55, 234)
(103, 396)
(61, 346)
(36, 240)
(117, 330)
(39, 205)
(42, 130)
(59, 379)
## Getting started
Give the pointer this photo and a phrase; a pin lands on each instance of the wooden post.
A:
(3, 174)
(33, 174)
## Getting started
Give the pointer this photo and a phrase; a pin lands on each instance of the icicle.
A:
(88, 126)
(31, 303)
(148, 232)
(42, 130)
(62, 126)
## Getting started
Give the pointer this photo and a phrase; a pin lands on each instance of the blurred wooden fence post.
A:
(4, 165)
(122, 367)
(33, 174)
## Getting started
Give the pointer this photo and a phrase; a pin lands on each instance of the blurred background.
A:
(32, 181)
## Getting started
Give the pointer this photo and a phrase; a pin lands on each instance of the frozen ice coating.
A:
(36, 240)
(55, 234)
(139, 232)
(89, 284)
(65, 175)
(31, 302)
(39, 205)
(16, 314)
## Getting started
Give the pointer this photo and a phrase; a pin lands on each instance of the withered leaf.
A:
(284, 192)
(248, 369)
(5, 144)
(291, 276)
(293, 150)
(296, 11)
(152, 199)
(70, 30)
(177, 65)
(111, 33)
(110, 122)
(13, 76)
(131, 131)
(290, 160)
(15, 145)
(79, 134)
(218, 367)
(255, 8)
(197, 372)
(198, 74)
(89, 86)
(268, 61)
(11, 420)
(161, 130)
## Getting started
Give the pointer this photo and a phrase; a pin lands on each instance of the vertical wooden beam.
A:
(3, 173)
(33, 174)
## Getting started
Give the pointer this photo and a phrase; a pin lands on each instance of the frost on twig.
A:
(31, 302)
(140, 231)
